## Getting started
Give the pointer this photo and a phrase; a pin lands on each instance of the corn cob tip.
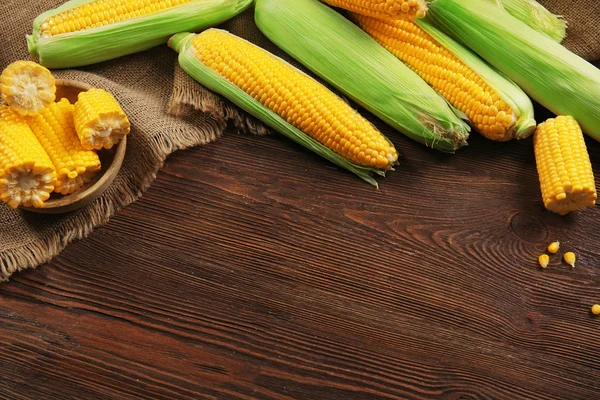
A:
(525, 128)
(177, 41)
(32, 45)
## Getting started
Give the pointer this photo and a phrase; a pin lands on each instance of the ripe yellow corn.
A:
(27, 176)
(462, 86)
(383, 8)
(95, 14)
(297, 98)
(99, 120)
(563, 164)
(27, 87)
(55, 130)
(83, 32)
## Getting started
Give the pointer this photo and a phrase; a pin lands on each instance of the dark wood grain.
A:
(253, 269)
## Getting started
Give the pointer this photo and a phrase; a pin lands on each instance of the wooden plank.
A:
(254, 269)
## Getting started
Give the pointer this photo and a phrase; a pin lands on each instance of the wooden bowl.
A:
(111, 164)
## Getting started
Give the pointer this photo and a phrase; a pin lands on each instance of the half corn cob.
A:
(383, 8)
(537, 17)
(27, 176)
(553, 76)
(563, 164)
(351, 61)
(286, 99)
(496, 107)
(83, 32)
(55, 130)
(27, 87)
(99, 120)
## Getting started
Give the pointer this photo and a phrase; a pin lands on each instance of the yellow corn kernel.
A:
(55, 130)
(563, 164)
(100, 121)
(570, 258)
(544, 260)
(99, 13)
(383, 8)
(297, 98)
(27, 87)
(553, 247)
(448, 75)
(596, 309)
(27, 176)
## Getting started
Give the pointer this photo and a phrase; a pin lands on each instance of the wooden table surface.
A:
(254, 269)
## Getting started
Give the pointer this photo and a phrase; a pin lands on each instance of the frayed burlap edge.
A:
(112, 201)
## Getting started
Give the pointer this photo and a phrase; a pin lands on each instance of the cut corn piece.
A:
(537, 17)
(561, 81)
(27, 87)
(83, 32)
(99, 120)
(55, 130)
(355, 64)
(27, 176)
(286, 99)
(563, 164)
(383, 8)
(460, 80)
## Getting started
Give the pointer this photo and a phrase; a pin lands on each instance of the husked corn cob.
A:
(285, 99)
(350, 60)
(458, 83)
(563, 164)
(27, 87)
(99, 120)
(27, 176)
(55, 130)
(561, 81)
(383, 8)
(83, 32)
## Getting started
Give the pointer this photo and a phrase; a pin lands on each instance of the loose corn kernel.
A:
(100, 121)
(297, 98)
(55, 130)
(97, 13)
(596, 309)
(27, 176)
(27, 87)
(383, 8)
(553, 247)
(570, 258)
(544, 260)
(448, 75)
(563, 164)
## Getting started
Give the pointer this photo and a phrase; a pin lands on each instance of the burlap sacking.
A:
(168, 111)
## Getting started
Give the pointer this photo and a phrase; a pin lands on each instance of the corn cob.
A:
(563, 164)
(553, 76)
(458, 75)
(99, 120)
(537, 17)
(27, 176)
(27, 87)
(55, 130)
(286, 99)
(83, 32)
(383, 8)
(351, 61)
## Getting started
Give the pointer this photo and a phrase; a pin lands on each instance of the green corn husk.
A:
(207, 77)
(126, 37)
(537, 17)
(561, 81)
(512, 94)
(351, 61)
